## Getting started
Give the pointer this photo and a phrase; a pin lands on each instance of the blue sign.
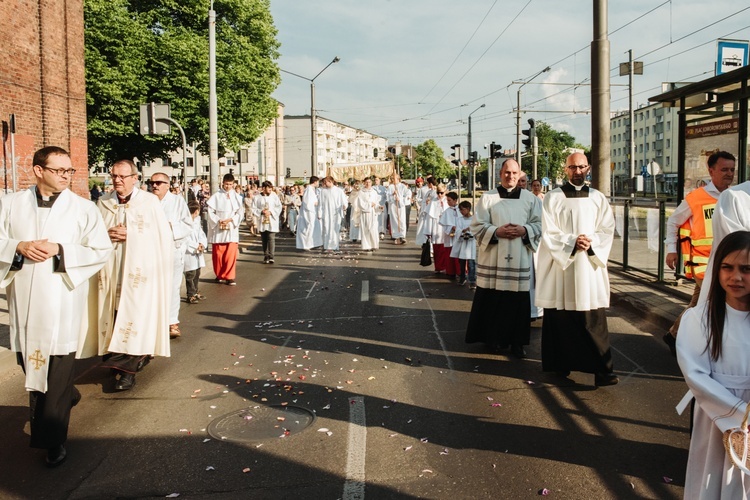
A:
(545, 181)
(731, 55)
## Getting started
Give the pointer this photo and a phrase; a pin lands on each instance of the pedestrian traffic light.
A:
(530, 133)
(288, 172)
(496, 150)
(456, 155)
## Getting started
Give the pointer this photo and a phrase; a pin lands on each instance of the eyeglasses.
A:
(60, 171)
(159, 183)
(578, 167)
(441, 192)
(121, 177)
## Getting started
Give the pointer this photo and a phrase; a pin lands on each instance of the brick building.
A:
(42, 82)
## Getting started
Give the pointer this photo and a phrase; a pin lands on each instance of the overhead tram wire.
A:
(460, 52)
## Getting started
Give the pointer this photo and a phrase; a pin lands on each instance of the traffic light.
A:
(288, 172)
(456, 155)
(473, 158)
(530, 133)
(496, 150)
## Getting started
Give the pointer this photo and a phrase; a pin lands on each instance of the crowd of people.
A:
(118, 265)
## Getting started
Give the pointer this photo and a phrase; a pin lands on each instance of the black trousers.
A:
(192, 278)
(50, 411)
(268, 240)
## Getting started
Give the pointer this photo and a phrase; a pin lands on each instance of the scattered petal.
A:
(206, 440)
(424, 440)
(210, 467)
(667, 479)
(444, 452)
(427, 470)
(544, 492)
(495, 405)
(489, 399)
(407, 448)
(246, 470)
(531, 382)
(172, 495)
(323, 429)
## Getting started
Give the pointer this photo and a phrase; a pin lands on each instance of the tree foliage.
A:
(140, 51)
(430, 160)
(555, 144)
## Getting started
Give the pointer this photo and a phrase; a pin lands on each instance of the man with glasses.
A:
(573, 285)
(51, 242)
(181, 226)
(507, 226)
(135, 286)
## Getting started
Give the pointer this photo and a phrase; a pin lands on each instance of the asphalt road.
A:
(368, 349)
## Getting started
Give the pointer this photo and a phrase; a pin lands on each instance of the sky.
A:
(412, 70)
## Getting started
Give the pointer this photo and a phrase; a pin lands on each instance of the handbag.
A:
(737, 444)
(426, 259)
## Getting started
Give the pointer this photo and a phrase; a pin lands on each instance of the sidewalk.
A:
(658, 303)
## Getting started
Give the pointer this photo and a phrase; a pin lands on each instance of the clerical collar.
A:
(513, 193)
(124, 199)
(41, 202)
(572, 191)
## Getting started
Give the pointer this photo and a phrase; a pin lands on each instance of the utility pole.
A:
(600, 96)
(213, 127)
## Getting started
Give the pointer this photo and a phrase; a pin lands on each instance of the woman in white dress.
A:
(713, 349)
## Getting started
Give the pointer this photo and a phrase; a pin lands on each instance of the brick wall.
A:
(42, 83)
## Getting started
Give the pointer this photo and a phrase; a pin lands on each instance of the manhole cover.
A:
(257, 424)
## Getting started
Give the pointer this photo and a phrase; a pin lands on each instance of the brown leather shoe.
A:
(174, 331)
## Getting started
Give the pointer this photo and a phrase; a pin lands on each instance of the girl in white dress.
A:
(713, 349)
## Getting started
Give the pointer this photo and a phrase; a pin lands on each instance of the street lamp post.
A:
(518, 114)
(313, 121)
(473, 166)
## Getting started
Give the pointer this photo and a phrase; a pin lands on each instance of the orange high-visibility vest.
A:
(696, 234)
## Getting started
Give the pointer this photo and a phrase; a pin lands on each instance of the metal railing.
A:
(640, 229)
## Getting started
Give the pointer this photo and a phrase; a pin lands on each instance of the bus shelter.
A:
(713, 116)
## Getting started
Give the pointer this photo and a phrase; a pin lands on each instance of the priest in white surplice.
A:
(366, 208)
(507, 227)
(572, 280)
(131, 299)
(309, 233)
(51, 242)
(332, 205)
(181, 224)
(398, 196)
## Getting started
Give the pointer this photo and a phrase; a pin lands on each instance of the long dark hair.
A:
(717, 297)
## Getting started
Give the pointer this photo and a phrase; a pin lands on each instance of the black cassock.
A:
(576, 341)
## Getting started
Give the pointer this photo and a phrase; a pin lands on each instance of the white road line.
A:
(365, 291)
(311, 289)
(354, 487)
(448, 359)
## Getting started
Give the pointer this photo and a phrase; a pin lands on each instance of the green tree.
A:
(554, 143)
(140, 51)
(431, 160)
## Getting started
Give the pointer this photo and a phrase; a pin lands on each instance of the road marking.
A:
(311, 289)
(354, 487)
(448, 359)
(365, 291)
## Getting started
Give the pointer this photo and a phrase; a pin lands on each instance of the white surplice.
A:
(181, 224)
(332, 203)
(567, 280)
(398, 197)
(273, 204)
(732, 214)
(721, 389)
(504, 264)
(193, 258)
(47, 309)
(463, 248)
(447, 221)
(136, 281)
(221, 206)
(365, 210)
(309, 233)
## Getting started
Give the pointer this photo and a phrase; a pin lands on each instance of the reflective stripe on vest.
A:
(696, 234)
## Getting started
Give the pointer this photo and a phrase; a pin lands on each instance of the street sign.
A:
(731, 55)
(545, 181)
(150, 115)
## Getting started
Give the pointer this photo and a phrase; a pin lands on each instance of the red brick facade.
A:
(42, 82)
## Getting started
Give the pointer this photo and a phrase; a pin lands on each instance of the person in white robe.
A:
(713, 351)
(464, 246)
(448, 220)
(51, 242)
(366, 208)
(332, 205)
(130, 300)
(507, 229)
(425, 223)
(181, 225)
(194, 261)
(398, 195)
(732, 213)
(383, 214)
(354, 230)
(267, 210)
(225, 209)
(309, 233)
(572, 281)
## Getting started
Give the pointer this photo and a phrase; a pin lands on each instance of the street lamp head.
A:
(337, 59)
(483, 105)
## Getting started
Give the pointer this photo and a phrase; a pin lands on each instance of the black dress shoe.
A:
(76, 398)
(56, 456)
(142, 363)
(604, 379)
(671, 343)
(563, 373)
(518, 351)
(126, 382)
